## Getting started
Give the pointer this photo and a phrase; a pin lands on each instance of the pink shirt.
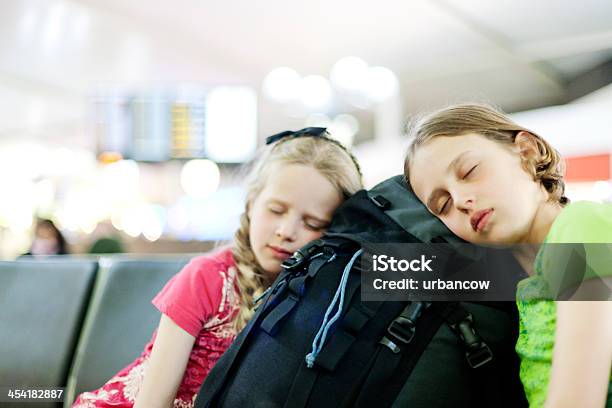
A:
(194, 297)
(202, 299)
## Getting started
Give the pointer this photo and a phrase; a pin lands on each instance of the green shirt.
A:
(581, 222)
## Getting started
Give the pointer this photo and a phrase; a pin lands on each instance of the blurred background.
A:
(125, 122)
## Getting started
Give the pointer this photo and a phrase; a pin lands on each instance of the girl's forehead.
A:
(438, 152)
(302, 185)
(288, 176)
(442, 150)
(449, 142)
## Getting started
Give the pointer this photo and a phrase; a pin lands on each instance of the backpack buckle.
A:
(381, 202)
(302, 255)
(480, 356)
(402, 329)
(390, 345)
(477, 352)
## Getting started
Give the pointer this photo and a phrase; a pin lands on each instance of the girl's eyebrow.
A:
(276, 201)
(457, 160)
(452, 165)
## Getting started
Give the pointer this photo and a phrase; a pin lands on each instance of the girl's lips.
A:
(480, 219)
(280, 253)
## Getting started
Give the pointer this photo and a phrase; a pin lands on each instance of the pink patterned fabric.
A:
(202, 299)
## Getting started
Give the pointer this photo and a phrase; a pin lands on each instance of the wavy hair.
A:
(547, 167)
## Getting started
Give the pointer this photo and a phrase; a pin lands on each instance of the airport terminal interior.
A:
(128, 128)
(131, 118)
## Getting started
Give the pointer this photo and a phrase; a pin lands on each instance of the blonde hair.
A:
(325, 155)
(458, 120)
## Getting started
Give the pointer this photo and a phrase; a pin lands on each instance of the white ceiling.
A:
(518, 54)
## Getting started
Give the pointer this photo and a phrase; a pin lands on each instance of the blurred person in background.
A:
(48, 240)
(293, 190)
(105, 240)
(106, 245)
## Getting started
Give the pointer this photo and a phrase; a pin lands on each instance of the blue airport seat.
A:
(42, 306)
(120, 319)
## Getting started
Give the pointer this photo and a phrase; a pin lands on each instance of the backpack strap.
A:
(212, 388)
(302, 386)
(312, 257)
(397, 354)
(461, 322)
(477, 353)
(214, 385)
(344, 336)
(353, 321)
(402, 329)
(296, 287)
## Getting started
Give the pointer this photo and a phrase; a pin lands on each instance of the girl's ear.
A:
(527, 146)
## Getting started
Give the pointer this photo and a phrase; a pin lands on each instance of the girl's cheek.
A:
(311, 235)
(266, 216)
(455, 228)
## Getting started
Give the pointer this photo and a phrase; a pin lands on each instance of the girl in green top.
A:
(494, 182)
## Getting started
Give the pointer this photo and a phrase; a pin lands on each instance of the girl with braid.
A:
(294, 188)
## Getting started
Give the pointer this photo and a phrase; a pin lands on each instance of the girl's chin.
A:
(498, 245)
(271, 270)
(499, 242)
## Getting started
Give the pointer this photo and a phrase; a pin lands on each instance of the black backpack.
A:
(301, 351)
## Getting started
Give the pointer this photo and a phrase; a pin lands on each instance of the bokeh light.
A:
(200, 178)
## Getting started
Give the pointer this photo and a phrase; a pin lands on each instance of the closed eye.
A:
(316, 227)
(469, 172)
(275, 210)
(444, 206)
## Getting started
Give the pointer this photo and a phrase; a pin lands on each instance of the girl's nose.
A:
(465, 202)
(287, 229)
